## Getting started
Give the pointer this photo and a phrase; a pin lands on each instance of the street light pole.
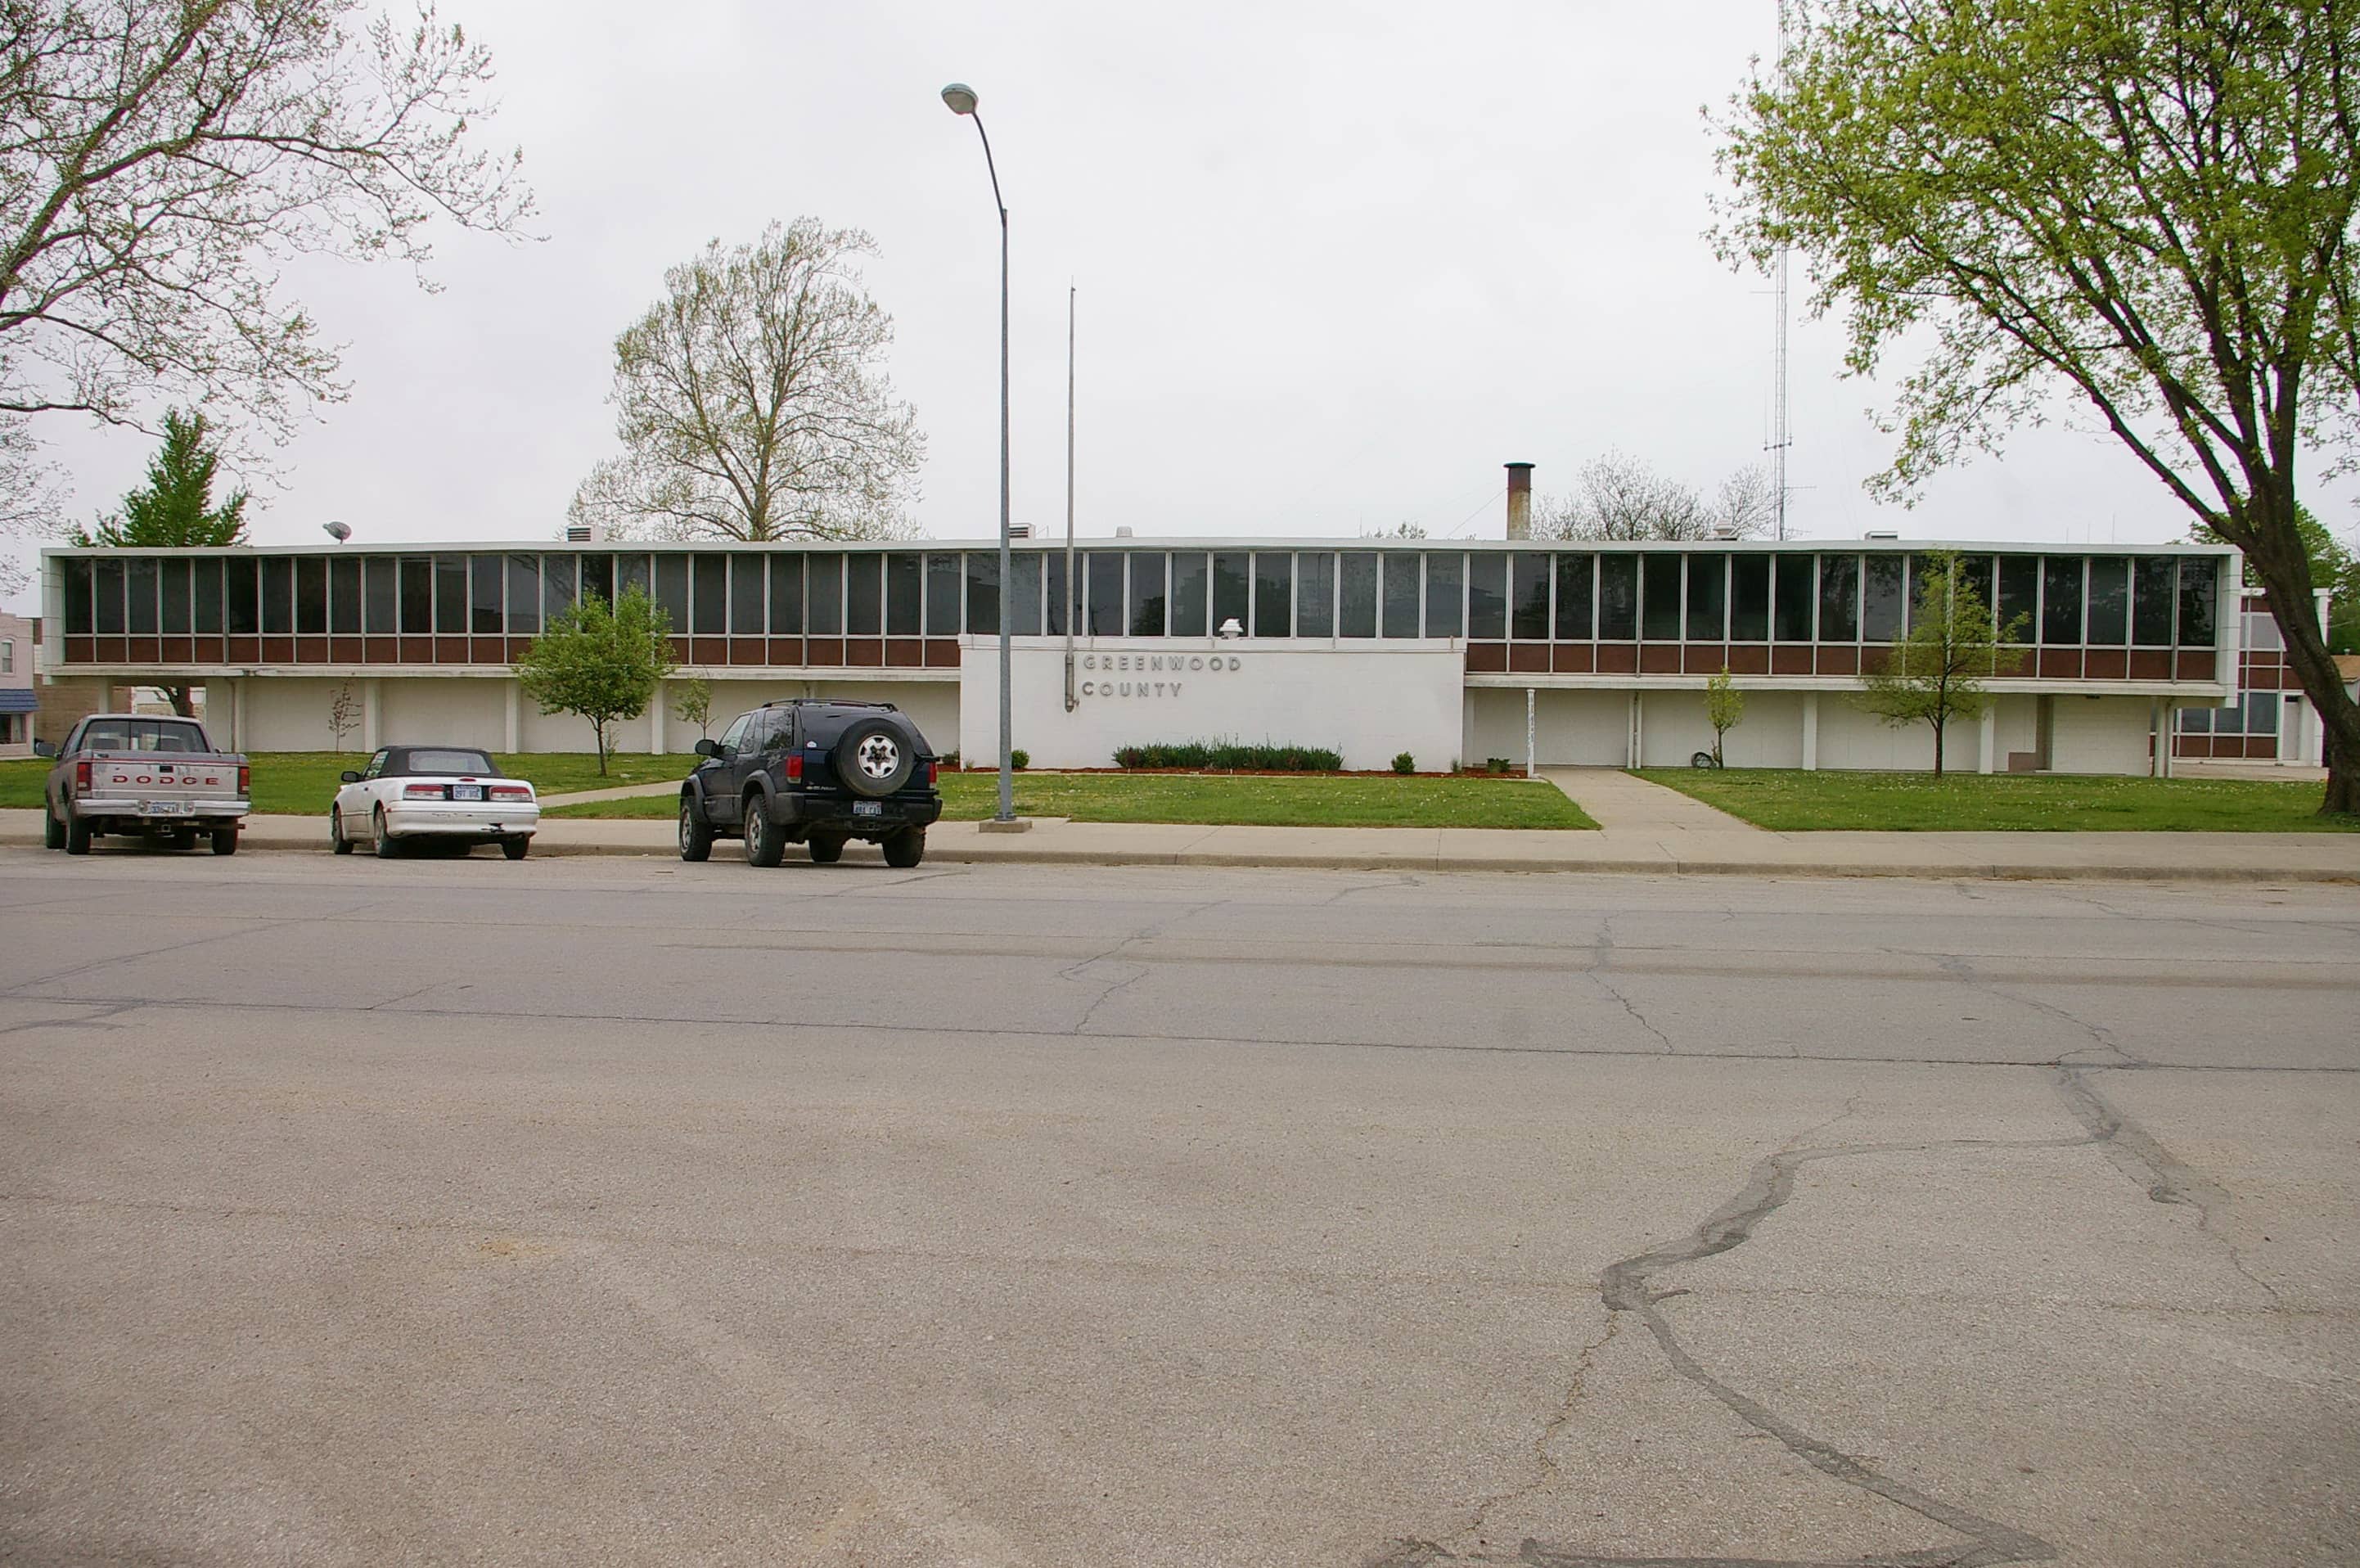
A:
(962, 101)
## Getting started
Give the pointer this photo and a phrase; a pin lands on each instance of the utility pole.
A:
(1071, 699)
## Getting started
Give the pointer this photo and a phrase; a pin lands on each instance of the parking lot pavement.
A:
(623, 1211)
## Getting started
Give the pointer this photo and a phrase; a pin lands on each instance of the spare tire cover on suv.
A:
(874, 756)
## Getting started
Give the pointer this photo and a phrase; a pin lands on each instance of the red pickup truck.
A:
(135, 773)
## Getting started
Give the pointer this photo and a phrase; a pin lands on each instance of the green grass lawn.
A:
(302, 783)
(1789, 800)
(1312, 801)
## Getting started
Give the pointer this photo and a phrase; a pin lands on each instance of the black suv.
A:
(818, 770)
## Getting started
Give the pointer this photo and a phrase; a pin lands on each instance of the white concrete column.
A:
(656, 716)
(236, 715)
(1988, 736)
(1531, 741)
(2157, 716)
(1638, 739)
(513, 717)
(1810, 732)
(372, 713)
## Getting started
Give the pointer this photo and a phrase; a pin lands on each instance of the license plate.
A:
(466, 792)
(163, 808)
(867, 808)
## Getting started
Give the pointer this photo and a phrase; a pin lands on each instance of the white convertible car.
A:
(414, 795)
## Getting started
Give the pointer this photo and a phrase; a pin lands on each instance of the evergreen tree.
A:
(175, 508)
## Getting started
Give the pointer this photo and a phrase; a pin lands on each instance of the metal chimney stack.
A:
(1520, 501)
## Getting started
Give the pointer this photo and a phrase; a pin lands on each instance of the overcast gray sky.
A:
(1337, 262)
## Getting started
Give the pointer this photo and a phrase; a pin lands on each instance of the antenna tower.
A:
(1782, 433)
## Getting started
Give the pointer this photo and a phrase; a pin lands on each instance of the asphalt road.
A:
(625, 1212)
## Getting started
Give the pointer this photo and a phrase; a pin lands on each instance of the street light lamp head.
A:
(960, 97)
(338, 532)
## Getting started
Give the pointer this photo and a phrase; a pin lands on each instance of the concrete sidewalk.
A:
(2108, 857)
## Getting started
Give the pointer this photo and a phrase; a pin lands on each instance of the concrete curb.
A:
(1022, 853)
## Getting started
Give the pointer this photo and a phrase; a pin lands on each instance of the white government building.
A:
(1439, 648)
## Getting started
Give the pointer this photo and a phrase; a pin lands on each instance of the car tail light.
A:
(511, 792)
(421, 792)
(794, 767)
(934, 771)
(244, 780)
(82, 778)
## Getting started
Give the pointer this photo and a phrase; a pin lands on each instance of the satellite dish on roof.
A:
(339, 531)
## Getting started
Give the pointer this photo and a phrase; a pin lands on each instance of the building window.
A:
(1839, 599)
(1749, 599)
(2060, 600)
(1488, 595)
(205, 608)
(311, 595)
(671, 590)
(524, 596)
(1528, 597)
(1476, 590)
(2199, 580)
(110, 597)
(344, 595)
(1314, 600)
(1232, 589)
(7, 655)
(487, 601)
(942, 596)
(708, 606)
(278, 596)
(1356, 611)
(2019, 597)
(787, 596)
(244, 606)
(1188, 587)
(1102, 607)
(747, 596)
(982, 593)
(1659, 597)
(139, 585)
(1881, 597)
(904, 593)
(78, 575)
(2151, 592)
(1273, 594)
(598, 578)
(2110, 602)
(451, 594)
(1794, 592)
(380, 596)
(1059, 594)
(823, 600)
(1146, 603)
(1708, 599)
(1618, 599)
(1400, 594)
(1573, 589)
(1029, 593)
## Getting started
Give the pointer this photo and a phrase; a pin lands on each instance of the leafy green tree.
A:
(1724, 706)
(2142, 208)
(1934, 671)
(174, 510)
(693, 701)
(2334, 566)
(602, 662)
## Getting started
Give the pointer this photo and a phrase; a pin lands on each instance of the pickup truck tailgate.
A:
(162, 784)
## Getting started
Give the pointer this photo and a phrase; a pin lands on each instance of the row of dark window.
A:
(2147, 602)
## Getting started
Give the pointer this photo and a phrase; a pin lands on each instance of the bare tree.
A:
(1621, 497)
(343, 713)
(752, 402)
(158, 157)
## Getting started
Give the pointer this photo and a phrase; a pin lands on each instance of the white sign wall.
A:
(1367, 701)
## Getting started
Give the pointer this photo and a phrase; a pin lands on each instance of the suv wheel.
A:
(766, 841)
(695, 832)
(826, 851)
(874, 757)
(906, 849)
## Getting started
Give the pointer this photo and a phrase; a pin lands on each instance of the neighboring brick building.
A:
(17, 702)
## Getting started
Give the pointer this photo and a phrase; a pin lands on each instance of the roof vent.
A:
(1019, 531)
(583, 533)
(1882, 533)
(1122, 531)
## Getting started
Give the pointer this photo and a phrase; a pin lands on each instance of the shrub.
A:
(1018, 757)
(1230, 754)
(950, 762)
(1496, 765)
(1405, 764)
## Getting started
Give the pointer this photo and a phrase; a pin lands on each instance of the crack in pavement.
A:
(1963, 971)
(1602, 959)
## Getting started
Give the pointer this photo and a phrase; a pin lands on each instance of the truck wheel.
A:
(381, 837)
(53, 832)
(513, 849)
(77, 836)
(224, 840)
(906, 849)
(766, 841)
(826, 851)
(695, 832)
(336, 840)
